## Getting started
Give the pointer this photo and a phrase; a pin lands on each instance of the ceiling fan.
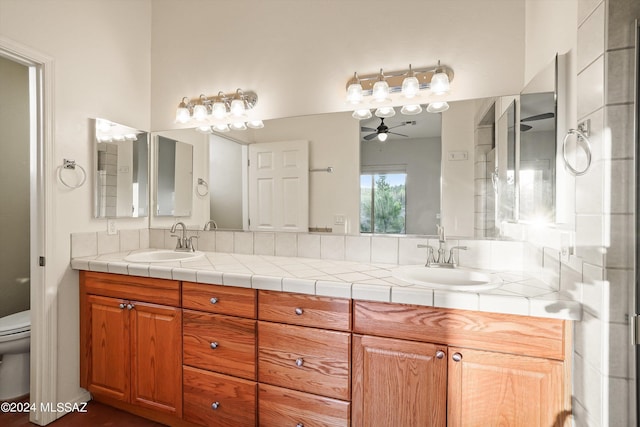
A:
(543, 116)
(382, 131)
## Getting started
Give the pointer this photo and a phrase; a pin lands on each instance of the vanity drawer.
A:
(220, 343)
(529, 336)
(283, 407)
(219, 299)
(305, 310)
(146, 289)
(212, 399)
(306, 359)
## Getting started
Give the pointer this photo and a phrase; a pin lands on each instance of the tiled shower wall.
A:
(603, 357)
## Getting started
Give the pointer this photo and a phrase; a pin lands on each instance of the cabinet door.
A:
(156, 357)
(108, 347)
(487, 388)
(398, 383)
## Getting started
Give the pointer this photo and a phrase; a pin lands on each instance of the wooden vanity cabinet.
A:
(304, 360)
(219, 355)
(496, 369)
(129, 330)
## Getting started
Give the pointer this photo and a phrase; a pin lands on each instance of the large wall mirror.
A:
(173, 177)
(538, 146)
(121, 171)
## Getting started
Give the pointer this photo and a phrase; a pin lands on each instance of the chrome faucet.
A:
(210, 225)
(184, 244)
(442, 260)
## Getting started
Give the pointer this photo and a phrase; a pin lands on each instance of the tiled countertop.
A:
(518, 293)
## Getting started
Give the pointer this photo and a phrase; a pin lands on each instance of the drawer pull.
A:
(122, 305)
(299, 361)
(299, 311)
(456, 357)
(213, 345)
(439, 354)
(299, 425)
(130, 306)
(215, 405)
(213, 300)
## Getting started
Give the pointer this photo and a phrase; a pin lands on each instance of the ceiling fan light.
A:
(255, 124)
(382, 137)
(362, 114)
(385, 112)
(439, 83)
(438, 107)
(411, 110)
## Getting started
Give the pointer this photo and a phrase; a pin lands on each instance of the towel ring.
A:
(586, 147)
(202, 188)
(72, 165)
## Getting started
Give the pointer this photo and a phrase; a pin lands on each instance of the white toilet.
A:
(15, 333)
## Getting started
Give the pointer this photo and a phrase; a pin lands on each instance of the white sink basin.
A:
(455, 279)
(163, 255)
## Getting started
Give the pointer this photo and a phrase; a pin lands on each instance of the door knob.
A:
(439, 354)
(456, 357)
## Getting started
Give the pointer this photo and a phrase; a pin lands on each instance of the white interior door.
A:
(279, 186)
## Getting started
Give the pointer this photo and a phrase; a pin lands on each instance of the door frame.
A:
(44, 306)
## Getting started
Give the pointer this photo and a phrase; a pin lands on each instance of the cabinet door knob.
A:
(215, 405)
(439, 354)
(456, 357)
(122, 305)
(213, 345)
(213, 300)
(299, 361)
(130, 306)
(299, 311)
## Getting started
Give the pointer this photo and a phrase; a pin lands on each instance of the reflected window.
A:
(383, 203)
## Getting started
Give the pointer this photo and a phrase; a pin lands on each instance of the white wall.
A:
(458, 131)
(299, 55)
(101, 54)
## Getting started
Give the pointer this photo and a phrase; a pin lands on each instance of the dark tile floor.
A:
(97, 415)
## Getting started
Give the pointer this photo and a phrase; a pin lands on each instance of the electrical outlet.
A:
(111, 226)
(566, 249)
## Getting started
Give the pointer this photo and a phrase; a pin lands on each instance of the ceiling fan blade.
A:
(366, 129)
(399, 134)
(538, 117)
(524, 128)
(370, 136)
(401, 124)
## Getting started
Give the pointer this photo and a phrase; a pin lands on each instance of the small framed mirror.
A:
(121, 171)
(173, 177)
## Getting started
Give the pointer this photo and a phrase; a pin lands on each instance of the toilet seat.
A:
(15, 323)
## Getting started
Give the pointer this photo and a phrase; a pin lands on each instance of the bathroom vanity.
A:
(197, 352)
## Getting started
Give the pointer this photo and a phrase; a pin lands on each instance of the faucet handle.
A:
(430, 254)
(189, 243)
(452, 259)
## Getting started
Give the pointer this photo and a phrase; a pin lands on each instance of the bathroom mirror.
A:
(538, 146)
(121, 171)
(507, 165)
(173, 177)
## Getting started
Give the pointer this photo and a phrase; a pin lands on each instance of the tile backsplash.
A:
(402, 250)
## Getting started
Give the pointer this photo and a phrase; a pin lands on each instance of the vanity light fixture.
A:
(354, 90)
(367, 90)
(438, 107)
(221, 112)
